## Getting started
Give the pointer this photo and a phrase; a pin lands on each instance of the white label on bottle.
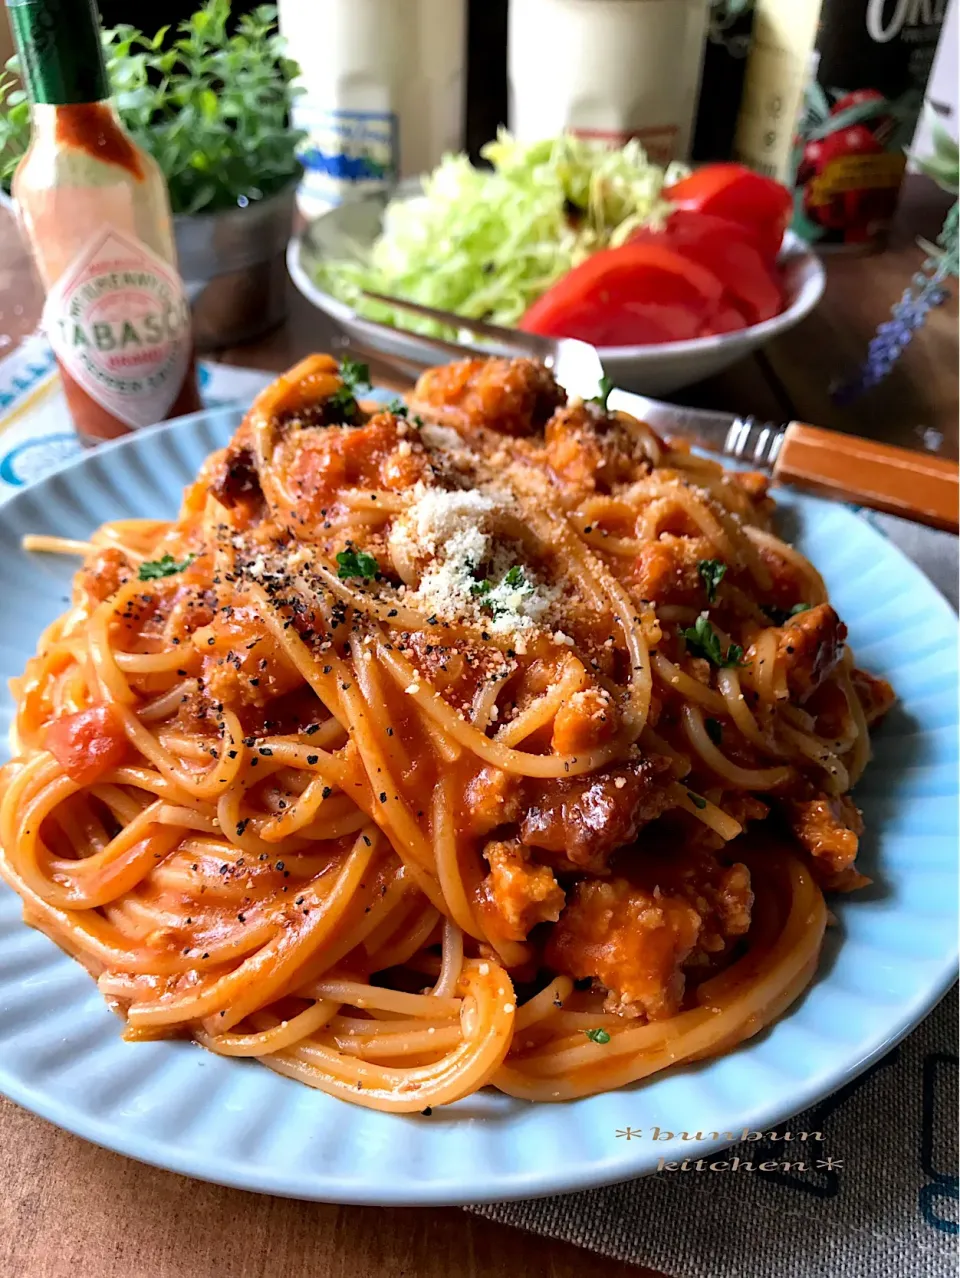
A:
(119, 323)
(347, 154)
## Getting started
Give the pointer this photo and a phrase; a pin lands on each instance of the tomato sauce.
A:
(92, 127)
(94, 423)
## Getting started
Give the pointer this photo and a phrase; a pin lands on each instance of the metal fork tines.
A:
(575, 364)
(758, 443)
(511, 338)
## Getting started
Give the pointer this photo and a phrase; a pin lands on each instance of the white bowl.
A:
(652, 370)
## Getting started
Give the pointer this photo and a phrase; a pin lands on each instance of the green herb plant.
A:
(211, 105)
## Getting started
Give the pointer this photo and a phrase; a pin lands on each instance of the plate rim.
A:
(485, 1186)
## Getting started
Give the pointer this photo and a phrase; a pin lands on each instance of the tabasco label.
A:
(119, 324)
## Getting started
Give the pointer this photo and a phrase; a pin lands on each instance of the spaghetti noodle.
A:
(417, 754)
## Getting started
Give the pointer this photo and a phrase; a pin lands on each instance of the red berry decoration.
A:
(856, 139)
(857, 98)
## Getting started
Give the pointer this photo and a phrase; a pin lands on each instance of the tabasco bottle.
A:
(96, 211)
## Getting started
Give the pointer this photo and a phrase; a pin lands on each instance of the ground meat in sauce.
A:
(753, 482)
(517, 894)
(318, 464)
(101, 576)
(588, 719)
(875, 695)
(243, 665)
(787, 583)
(509, 396)
(588, 451)
(744, 807)
(829, 706)
(234, 479)
(584, 820)
(666, 571)
(637, 939)
(809, 647)
(830, 711)
(491, 799)
(828, 828)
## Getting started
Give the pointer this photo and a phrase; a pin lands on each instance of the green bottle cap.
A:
(58, 43)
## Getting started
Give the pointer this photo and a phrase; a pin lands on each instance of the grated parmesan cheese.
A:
(443, 437)
(438, 514)
(446, 534)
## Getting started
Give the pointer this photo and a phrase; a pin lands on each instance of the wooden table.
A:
(71, 1210)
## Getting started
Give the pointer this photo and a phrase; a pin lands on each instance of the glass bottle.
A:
(95, 209)
(609, 70)
(383, 92)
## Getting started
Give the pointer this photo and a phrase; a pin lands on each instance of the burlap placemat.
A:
(885, 1208)
(878, 1196)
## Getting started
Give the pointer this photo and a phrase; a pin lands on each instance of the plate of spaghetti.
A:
(406, 798)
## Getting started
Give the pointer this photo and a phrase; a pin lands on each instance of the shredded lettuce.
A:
(485, 243)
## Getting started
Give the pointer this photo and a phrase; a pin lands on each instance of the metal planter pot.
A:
(233, 269)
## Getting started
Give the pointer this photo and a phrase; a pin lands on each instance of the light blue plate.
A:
(884, 967)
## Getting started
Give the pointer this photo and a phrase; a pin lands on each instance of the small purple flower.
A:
(925, 291)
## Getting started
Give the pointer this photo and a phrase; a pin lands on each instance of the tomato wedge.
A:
(87, 744)
(637, 294)
(727, 320)
(726, 249)
(758, 204)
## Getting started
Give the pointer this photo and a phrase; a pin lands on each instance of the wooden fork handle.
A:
(896, 480)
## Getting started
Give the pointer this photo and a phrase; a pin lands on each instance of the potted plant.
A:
(213, 108)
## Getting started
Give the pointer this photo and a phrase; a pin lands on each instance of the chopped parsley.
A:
(354, 374)
(696, 800)
(343, 404)
(398, 408)
(800, 607)
(606, 386)
(711, 572)
(356, 563)
(491, 596)
(703, 639)
(165, 566)
(714, 730)
(343, 400)
(597, 1035)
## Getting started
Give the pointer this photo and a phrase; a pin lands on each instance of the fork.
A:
(847, 468)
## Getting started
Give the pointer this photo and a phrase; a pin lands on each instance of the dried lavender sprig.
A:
(925, 291)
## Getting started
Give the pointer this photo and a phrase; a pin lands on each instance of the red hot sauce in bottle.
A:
(95, 208)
